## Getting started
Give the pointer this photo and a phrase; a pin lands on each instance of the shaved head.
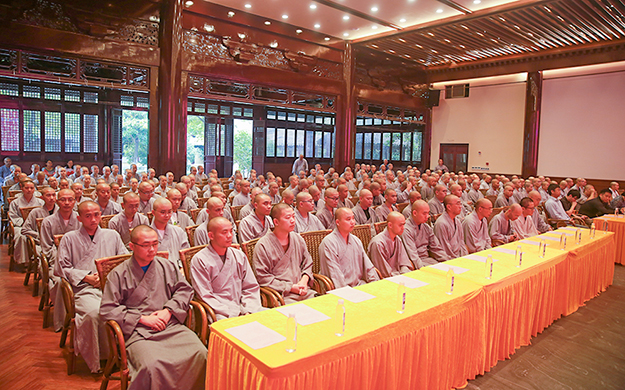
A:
(140, 230)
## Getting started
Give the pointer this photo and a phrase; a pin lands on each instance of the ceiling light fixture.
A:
(298, 31)
(374, 9)
(402, 40)
(439, 11)
(267, 23)
(326, 38)
(317, 25)
(273, 44)
(188, 3)
(477, 1)
(374, 27)
(230, 14)
(285, 16)
(345, 34)
(248, 5)
(209, 27)
(313, 6)
(346, 17)
(402, 20)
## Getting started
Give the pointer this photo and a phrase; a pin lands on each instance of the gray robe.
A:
(312, 223)
(500, 228)
(173, 358)
(422, 245)
(240, 200)
(327, 218)
(524, 227)
(172, 241)
(539, 222)
(200, 236)
(347, 203)
(280, 269)
(246, 210)
(111, 208)
(276, 198)
(146, 207)
(383, 211)
(361, 217)
(183, 220)
(476, 233)
(502, 201)
(228, 286)
(30, 225)
(346, 263)
(474, 195)
(427, 193)
(450, 235)
(251, 227)
(77, 252)
(119, 223)
(436, 206)
(15, 215)
(389, 256)
(407, 212)
(188, 204)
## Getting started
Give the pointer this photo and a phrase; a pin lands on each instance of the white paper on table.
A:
(530, 242)
(551, 238)
(304, 314)
(446, 267)
(255, 335)
(505, 250)
(565, 233)
(478, 258)
(351, 294)
(408, 282)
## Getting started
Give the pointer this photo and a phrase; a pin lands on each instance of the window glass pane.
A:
(377, 143)
(386, 146)
(200, 107)
(53, 131)
(248, 112)
(271, 115)
(318, 144)
(127, 101)
(301, 118)
(396, 150)
(310, 143)
(417, 139)
(189, 106)
(196, 137)
(290, 143)
(367, 151)
(271, 142)
(281, 116)
(72, 96)
(327, 120)
(90, 128)
(360, 122)
(327, 145)
(32, 130)
(237, 111)
(52, 93)
(32, 91)
(358, 154)
(387, 122)
(9, 89)
(10, 129)
(90, 97)
(407, 138)
(210, 136)
(310, 119)
(212, 109)
(224, 110)
(319, 120)
(291, 117)
(144, 102)
(300, 143)
(72, 132)
(333, 143)
(222, 140)
(368, 121)
(280, 142)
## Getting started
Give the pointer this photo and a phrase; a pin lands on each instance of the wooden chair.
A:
(88, 191)
(196, 321)
(227, 192)
(363, 232)
(483, 191)
(200, 193)
(322, 284)
(185, 257)
(69, 324)
(123, 190)
(402, 206)
(13, 193)
(39, 188)
(32, 267)
(495, 242)
(104, 221)
(269, 297)
(45, 303)
(352, 193)
(25, 211)
(558, 223)
(379, 227)
(191, 234)
(39, 223)
(194, 213)
(492, 198)
(496, 211)
(235, 212)
(11, 246)
(354, 200)
(201, 202)
(57, 240)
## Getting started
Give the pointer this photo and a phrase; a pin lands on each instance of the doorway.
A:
(134, 131)
(195, 140)
(243, 142)
(455, 156)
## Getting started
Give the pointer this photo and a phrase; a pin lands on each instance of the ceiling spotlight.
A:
(374, 27)
(317, 25)
(242, 36)
(439, 11)
(313, 6)
(274, 44)
(345, 34)
(188, 3)
(230, 14)
(298, 31)
(477, 1)
(154, 18)
(402, 20)
(326, 38)
(285, 16)
(374, 9)
(248, 5)
(267, 23)
(209, 27)
(402, 40)
(346, 17)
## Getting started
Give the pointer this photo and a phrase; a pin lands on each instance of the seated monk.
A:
(387, 249)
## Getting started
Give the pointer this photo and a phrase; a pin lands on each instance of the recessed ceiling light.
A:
(346, 17)
(402, 40)
(230, 14)
(209, 27)
(267, 23)
(188, 3)
(374, 27)
(242, 36)
(402, 20)
(298, 31)
(313, 6)
(285, 16)
(326, 38)
(477, 1)
(248, 5)
(374, 9)
(439, 11)
(345, 34)
(317, 25)
(274, 44)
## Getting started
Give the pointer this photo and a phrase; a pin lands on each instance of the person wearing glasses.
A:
(171, 238)
(107, 206)
(326, 214)
(75, 262)
(524, 225)
(475, 226)
(304, 220)
(129, 218)
(146, 196)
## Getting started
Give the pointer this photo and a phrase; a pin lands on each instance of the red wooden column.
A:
(168, 140)
(533, 97)
(346, 113)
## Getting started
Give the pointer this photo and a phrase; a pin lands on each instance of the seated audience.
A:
(475, 226)
(387, 249)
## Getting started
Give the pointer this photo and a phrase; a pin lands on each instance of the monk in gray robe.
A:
(63, 221)
(436, 203)
(203, 216)
(342, 257)
(222, 276)
(249, 207)
(505, 199)
(214, 209)
(407, 212)
(304, 220)
(27, 199)
(422, 245)
(129, 219)
(448, 228)
(30, 229)
(364, 213)
(149, 300)
(537, 219)
(146, 197)
(171, 238)
(257, 224)
(387, 250)
(179, 217)
(107, 206)
(326, 214)
(524, 226)
(383, 210)
(281, 259)
(243, 197)
(186, 202)
(475, 226)
(344, 200)
(500, 227)
(78, 251)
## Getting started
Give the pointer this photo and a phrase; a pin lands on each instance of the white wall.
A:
(490, 120)
(582, 125)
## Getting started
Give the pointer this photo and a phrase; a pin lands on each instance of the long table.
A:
(617, 226)
(440, 342)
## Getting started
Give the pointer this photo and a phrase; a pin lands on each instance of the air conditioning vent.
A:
(456, 91)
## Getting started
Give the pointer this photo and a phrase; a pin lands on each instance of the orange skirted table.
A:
(616, 225)
(436, 344)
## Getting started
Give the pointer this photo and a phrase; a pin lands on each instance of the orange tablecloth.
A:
(616, 225)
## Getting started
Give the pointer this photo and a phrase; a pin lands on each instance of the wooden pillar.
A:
(346, 113)
(427, 141)
(168, 145)
(533, 97)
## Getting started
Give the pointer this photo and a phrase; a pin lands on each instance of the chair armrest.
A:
(274, 298)
(201, 320)
(325, 283)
